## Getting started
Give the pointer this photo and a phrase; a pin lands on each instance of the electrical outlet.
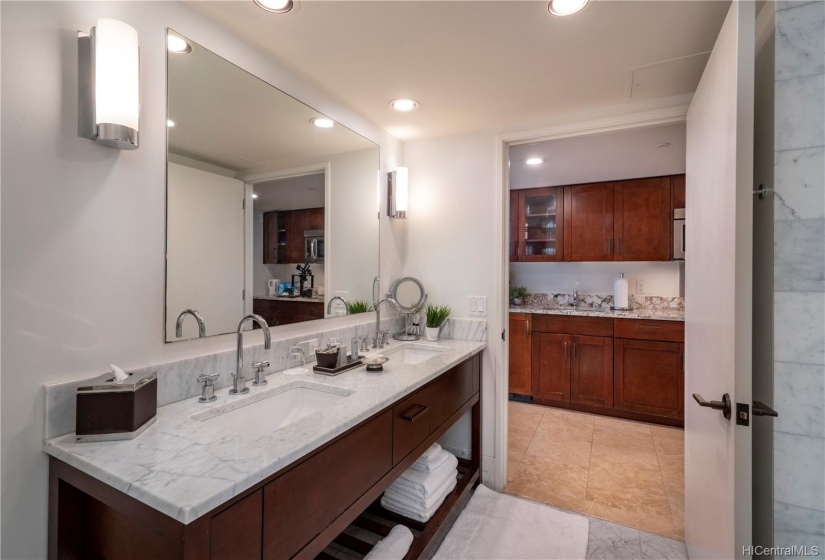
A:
(309, 347)
(640, 286)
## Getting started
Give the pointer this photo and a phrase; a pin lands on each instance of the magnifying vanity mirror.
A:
(255, 188)
(408, 297)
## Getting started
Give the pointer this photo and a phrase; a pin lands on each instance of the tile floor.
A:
(630, 473)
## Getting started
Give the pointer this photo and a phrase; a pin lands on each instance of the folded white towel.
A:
(419, 515)
(422, 484)
(392, 547)
(421, 505)
(431, 459)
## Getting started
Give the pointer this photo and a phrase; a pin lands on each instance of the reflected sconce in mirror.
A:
(398, 192)
(108, 88)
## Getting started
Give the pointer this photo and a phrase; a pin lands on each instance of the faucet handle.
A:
(208, 389)
(259, 373)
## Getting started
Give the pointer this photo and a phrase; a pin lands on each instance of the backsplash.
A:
(176, 379)
(674, 303)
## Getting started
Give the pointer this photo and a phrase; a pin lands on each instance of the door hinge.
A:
(502, 335)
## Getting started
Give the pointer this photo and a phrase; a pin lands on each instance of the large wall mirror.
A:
(256, 189)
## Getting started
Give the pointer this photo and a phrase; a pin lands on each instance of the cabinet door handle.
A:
(527, 327)
(609, 245)
(565, 350)
(422, 410)
(618, 245)
(574, 350)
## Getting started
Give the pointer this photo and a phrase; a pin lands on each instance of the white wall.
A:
(451, 238)
(204, 250)
(660, 278)
(97, 216)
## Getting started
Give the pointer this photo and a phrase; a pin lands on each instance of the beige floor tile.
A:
(677, 510)
(513, 462)
(639, 488)
(523, 421)
(667, 432)
(525, 408)
(519, 438)
(571, 415)
(621, 424)
(667, 444)
(568, 428)
(550, 482)
(546, 445)
(673, 474)
(628, 437)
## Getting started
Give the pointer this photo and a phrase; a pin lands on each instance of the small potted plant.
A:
(436, 315)
(359, 306)
(517, 295)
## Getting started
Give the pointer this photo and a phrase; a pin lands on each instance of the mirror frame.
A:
(393, 294)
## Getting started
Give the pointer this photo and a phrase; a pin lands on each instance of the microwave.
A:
(679, 234)
(314, 246)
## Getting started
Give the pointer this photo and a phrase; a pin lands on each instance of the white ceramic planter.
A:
(431, 333)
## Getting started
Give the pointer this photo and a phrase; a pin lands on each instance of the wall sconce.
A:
(108, 88)
(398, 192)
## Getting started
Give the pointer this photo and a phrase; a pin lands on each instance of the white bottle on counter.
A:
(620, 292)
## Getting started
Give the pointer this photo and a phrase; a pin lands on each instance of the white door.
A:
(718, 290)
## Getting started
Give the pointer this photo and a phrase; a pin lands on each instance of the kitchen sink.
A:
(264, 416)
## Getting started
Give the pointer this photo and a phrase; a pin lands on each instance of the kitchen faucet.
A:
(345, 302)
(198, 318)
(238, 382)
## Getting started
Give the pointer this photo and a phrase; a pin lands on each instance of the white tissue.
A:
(120, 375)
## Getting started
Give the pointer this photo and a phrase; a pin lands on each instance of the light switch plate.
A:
(309, 347)
(478, 306)
(640, 286)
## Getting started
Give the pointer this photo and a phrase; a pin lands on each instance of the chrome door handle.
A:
(761, 409)
(724, 405)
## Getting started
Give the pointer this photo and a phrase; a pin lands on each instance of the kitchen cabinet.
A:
(284, 234)
(536, 226)
(588, 223)
(520, 382)
(642, 217)
(679, 194)
(630, 368)
(295, 512)
(627, 220)
(286, 311)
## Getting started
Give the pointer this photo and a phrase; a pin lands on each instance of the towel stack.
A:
(422, 488)
(392, 547)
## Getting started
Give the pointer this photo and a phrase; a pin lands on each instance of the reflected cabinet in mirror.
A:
(266, 212)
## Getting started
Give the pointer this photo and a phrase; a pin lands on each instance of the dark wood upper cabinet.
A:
(551, 366)
(274, 233)
(538, 230)
(591, 371)
(514, 226)
(679, 196)
(588, 222)
(649, 377)
(519, 371)
(642, 219)
(315, 218)
(283, 236)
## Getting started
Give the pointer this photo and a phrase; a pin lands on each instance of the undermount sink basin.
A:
(415, 353)
(264, 416)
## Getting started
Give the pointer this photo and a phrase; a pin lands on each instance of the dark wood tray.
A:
(351, 364)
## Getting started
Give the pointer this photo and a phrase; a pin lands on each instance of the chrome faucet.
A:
(379, 341)
(238, 381)
(198, 318)
(345, 302)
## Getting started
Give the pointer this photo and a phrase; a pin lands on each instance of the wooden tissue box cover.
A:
(109, 411)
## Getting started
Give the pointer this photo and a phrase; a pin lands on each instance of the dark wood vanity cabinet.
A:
(294, 513)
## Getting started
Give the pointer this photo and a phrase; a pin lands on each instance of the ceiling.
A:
(626, 154)
(482, 64)
(227, 117)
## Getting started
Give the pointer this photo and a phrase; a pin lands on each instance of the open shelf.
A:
(376, 522)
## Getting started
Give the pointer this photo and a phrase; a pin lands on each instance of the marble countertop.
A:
(655, 314)
(316, 299)
(184, 467)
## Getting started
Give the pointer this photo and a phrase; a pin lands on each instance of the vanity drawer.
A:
(648, 329)
(450, 391)
(410, 424)
(567, 324)
(303, 501)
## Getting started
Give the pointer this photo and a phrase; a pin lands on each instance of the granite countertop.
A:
(314, 299)
(184, 467)
(654, 314)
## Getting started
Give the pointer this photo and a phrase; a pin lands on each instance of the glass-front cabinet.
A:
(536, 229)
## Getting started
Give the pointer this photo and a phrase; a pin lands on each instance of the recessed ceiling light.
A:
(177, 45)
(404, 105)
(566, 7)
(169, 123)
(275, 6)
(322, 122)
(663, 144)
(254, 195)
(535, 161)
